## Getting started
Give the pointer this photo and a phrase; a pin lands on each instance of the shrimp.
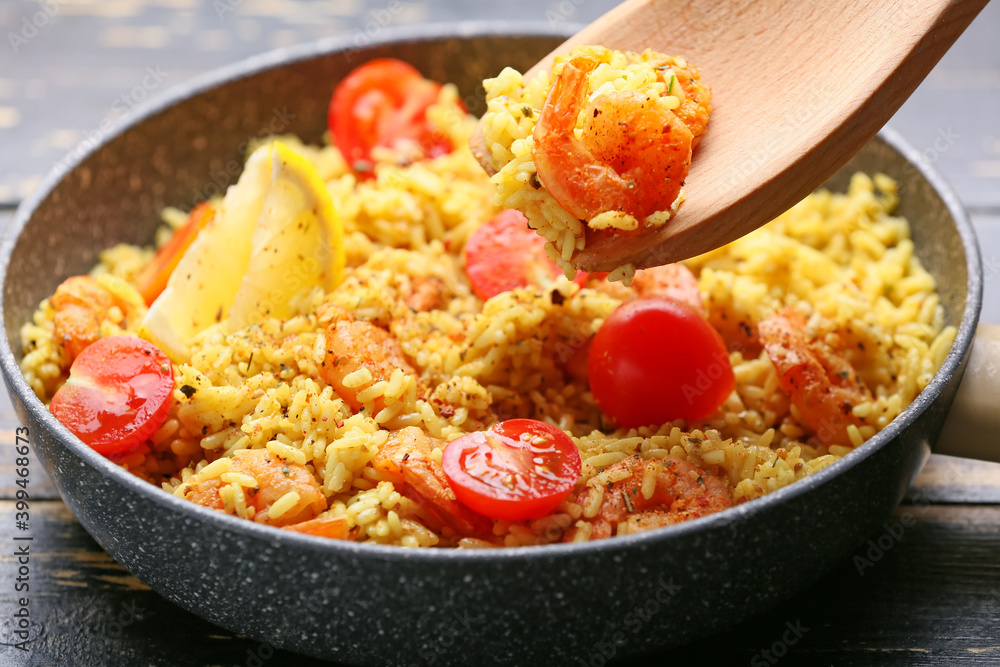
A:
(275, 477)
(430, 293)
(656, 493)
(352, 345)
(738, 330)
(822, 385)
(632, 157)
(672, 281)
(697, 104)
(82, 303)
(405, 459)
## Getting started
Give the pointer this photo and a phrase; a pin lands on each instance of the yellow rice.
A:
(513, 105)
(844, 260)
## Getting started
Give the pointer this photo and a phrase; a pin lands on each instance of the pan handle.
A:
(972, 427)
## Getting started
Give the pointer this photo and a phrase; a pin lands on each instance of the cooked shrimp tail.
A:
(670, 281)
(646, 494)
(82, 305)
(632, 156)
(268, 489)
(822, 385)
(406, 459)
(354, 346)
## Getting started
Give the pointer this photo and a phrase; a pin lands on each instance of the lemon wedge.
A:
(276, 234)
(298, 242)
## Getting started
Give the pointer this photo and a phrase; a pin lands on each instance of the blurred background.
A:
(74, 65)
(70, 67)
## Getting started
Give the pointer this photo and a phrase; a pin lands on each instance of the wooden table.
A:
(927, 593)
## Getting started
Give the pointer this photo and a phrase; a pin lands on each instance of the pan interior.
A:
(191, 147)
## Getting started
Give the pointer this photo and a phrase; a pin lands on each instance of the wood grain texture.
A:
(86, 610)
(924, 591)
(947, 479)
(40, 487)
(902, 599)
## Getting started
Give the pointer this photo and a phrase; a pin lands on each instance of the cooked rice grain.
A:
(843, 260)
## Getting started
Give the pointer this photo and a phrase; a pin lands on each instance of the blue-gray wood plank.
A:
(89, 62)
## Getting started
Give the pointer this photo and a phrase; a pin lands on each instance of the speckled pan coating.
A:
(360, 604)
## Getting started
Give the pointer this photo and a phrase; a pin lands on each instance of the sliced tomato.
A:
(384, 103)
(153, 279)
(575, 363)
(118, 393)
(505, 254)
(657, 359)
(518, 469)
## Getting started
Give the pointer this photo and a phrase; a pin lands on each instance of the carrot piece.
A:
(333, 527)
(153, 279)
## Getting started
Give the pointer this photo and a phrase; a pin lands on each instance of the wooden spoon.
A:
(798, 87)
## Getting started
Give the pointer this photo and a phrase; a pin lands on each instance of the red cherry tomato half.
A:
(519, 469)
(654, 360)
(505, 254)
(117, 395)
(384, 103)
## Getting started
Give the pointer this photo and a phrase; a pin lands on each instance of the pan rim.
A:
(112, 473)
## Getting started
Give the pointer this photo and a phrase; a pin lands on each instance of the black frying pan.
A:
(367, 604)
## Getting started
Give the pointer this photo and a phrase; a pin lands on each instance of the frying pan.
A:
(358, 603)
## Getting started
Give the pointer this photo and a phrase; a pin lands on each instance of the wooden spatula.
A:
(798, 87)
